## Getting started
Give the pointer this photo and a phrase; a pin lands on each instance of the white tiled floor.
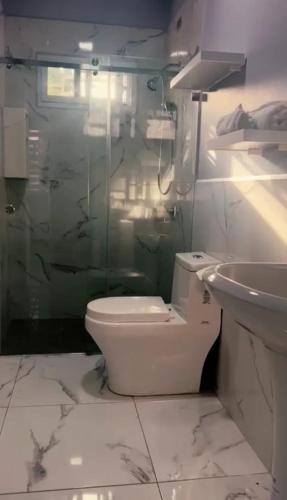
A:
(67, 437)
(138, 492)
(193, 438)
(63, 379)
(232, 488)
(8, 370)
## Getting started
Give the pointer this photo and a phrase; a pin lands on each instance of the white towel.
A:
(271, 116)
(236, 120)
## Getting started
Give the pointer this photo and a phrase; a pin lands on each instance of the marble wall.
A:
(241, 199)
(90, 220)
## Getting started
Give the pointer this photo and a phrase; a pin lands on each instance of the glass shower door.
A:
(90, 220)
(50, 235)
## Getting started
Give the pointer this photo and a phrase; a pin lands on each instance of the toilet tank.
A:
(189, 295)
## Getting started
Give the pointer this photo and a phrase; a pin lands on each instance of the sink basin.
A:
(255, 294)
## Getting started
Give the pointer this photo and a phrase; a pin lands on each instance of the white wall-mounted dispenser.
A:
(15, 143)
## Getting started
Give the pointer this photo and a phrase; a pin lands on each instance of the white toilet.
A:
(152, 348)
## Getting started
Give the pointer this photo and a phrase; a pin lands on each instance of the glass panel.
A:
(100, 84)
(52, 250)
(83, 84)
(144, 233)
(96, 127)
(137, 216)
(91, 221)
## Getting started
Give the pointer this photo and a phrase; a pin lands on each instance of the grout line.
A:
(4, 418)
(35, 405)
(125, 399)
(159, 490)
(188, 480)
(55, 405)
(35, 492)
(12, 390)
(145, 439)
(54, 355)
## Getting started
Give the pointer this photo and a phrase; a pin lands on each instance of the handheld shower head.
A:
(152, 83)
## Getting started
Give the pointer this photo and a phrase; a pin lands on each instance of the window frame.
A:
(45, 100)
(76, 101)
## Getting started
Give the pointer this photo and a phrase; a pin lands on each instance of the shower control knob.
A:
(10, 209)
(172, 211)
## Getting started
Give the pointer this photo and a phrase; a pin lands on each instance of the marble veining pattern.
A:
(36, 469)
(2, 416)
(65, 379)
(60, 447)
(257, 487)
(234, 229)
(47, 252)
(64, 430)
(240, 212)
(247, 392)
(47, 279)
(205, 442)
(8, 370)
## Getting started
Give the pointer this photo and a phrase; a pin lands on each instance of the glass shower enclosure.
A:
(89, 219)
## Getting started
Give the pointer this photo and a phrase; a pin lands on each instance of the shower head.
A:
(153, 82)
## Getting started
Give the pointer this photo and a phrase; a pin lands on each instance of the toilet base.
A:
(165, 377)
(149, 359)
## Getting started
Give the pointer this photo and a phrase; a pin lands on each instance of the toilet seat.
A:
(129, 310)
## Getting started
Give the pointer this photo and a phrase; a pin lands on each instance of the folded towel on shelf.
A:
(271, 116)
(236, 120)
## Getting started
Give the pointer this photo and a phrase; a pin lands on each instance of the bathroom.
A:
(137, 163)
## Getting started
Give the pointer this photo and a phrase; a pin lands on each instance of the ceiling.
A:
(134, 13)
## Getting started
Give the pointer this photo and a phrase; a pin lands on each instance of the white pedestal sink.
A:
(256, 296)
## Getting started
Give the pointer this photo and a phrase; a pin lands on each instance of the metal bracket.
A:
(199, 96)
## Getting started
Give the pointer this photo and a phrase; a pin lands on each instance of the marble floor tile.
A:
(62, 447)
(257, 487)
(132, 492)
(194, 437)
(8, 371)
(62, 379)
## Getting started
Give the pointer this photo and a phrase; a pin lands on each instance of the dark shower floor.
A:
(48, 336)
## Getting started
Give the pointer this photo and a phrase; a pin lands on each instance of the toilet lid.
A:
(128, 309)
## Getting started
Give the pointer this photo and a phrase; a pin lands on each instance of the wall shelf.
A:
(250, 140)
(206, 69)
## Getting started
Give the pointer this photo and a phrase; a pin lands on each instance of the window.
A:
(66, 87)
(60, 82)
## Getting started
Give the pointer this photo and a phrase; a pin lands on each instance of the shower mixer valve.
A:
(172, 212)
(10, 208)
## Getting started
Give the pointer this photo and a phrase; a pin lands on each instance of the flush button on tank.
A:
(197, 256)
